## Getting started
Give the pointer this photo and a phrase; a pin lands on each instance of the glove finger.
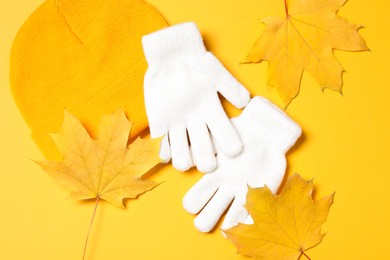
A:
(198, 196)
(181, 156)
(208, 218)
(249, 220)
(237, 213)
(201, 147)
(223, 132)
(233, 90)
(165, 150)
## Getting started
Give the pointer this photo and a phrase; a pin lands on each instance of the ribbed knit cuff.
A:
(165, 45)
(271, 123)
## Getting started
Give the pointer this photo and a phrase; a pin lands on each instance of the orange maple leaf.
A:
(285, 225)
(304, 40)
(106, 168)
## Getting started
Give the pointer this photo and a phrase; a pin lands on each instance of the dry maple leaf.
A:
(106, 168)
(285, 225)
(304, 40)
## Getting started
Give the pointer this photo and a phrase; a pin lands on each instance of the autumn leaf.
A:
(106, 168)
(285, 225)
(304, 40)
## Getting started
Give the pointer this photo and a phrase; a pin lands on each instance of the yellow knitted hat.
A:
(85, 56)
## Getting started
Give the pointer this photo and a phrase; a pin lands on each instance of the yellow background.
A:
(345, 148)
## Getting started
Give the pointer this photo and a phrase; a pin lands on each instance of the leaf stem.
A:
(286, 8)
(90, 226)
(303, 253)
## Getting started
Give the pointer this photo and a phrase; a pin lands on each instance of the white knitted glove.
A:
(267, 133)
(181, 96)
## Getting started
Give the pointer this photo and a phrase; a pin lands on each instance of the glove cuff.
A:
(271, 123)
(167, 44)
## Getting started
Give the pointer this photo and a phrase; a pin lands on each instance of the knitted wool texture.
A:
(181, 96)
(85, 56)
(266, 133)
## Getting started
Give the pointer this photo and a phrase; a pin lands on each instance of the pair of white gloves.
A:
(181, 95)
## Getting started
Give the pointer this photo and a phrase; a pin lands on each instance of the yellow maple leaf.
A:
(107, 168)
(285, 225)
(304, 40)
